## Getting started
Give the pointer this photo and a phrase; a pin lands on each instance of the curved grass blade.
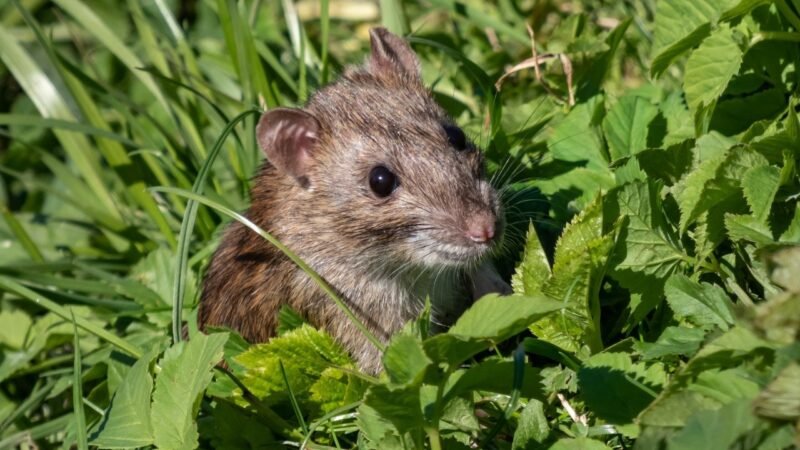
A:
(19, 232)
(42, 122)
(187, 226)
(315, 277)
(12, 286)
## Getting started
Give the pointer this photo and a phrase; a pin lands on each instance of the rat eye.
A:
(382, 181)
(456, 137)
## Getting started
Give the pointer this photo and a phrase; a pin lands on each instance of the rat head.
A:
(383, 169)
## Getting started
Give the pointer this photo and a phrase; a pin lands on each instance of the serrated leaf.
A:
(306, 353)
(400, 406)
(626, 126)
(711, 67)
(747, 228)
(714, 429)
(702, 304)
(760, 184)
(127, 420)
(186, 370)
(405, 360)
(648, 246)
(532, 428)
(580, 261)
(534, 269)
(616, 389)
(673, 341)
(496, 317)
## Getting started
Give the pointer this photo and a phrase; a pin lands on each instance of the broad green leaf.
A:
(534, 269)
(186, 370)
(673, 341)
(679, 26)
(748, 228)
(405, 360)
(582, 443)
(496, 318)
(573, 138)
(532, 428)
(702, 304)
(306, 354)
(626, 126)
(647, 245)
(400, 406)
(760, 184)
(580, 263)
(127, 420)
(494, 375)
(712, 430)
(232, 427)
(711, 67)
(616, 389)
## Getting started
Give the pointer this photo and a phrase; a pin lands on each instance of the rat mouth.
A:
(451, 255)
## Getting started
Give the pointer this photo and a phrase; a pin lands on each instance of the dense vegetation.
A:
(650, 155)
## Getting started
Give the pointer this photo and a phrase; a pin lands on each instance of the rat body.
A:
(376, 189)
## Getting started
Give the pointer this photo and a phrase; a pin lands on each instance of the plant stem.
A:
(787, 12)
(786, 36)
(434, 438)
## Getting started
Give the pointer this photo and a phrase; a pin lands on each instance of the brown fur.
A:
(382, 255)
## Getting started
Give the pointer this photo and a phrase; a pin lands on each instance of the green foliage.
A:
(651, 181)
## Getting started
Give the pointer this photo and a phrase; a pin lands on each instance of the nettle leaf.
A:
(616, 389)
(702, 304)
(760, 184)
(673, 341)
(398, 405)
(713, 181)
(534, 269)
(306, 354)
(715, 429)
(127, 420)
(532, 427)
(580, 261)
(186, 370)
(646, 245)
(711, 67)
(748, 228)
(626, 126)
(405, 360)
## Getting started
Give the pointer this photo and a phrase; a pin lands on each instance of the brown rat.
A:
(375, 187)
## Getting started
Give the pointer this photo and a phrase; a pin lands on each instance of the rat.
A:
(377, 189)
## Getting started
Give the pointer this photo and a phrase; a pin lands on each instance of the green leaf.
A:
(647, 245)
(748, 228)
(496, 318)
(581, 443)
(405, 360)
(760, 184)
(494, 375)
(711, 67)
(712, 430)
(626, 126)
(186, 370)
(616, 389)
(580, 263)
(532, 428)
(702, 304)
(534, 269)
(127, 420)
(306, 354)
(673, 341)
(400, 406)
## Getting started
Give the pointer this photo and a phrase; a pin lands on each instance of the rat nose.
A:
(480, 228)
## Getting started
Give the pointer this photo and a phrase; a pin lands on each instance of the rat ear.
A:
(287, 137)
(391, 55)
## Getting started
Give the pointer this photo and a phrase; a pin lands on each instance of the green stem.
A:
(786, 36)
(434, 438)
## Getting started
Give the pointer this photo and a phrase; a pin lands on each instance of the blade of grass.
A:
(393, 17)
(315, 277)
(35, 398)
(22, 236)
(77, 389)
(13, 287)
(41, 122)
(293, 399)
(43, 93)
(187, 227)
(37, 432)
(482, 18)
(325, 35)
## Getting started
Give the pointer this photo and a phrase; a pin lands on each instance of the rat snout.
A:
(480, 228)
